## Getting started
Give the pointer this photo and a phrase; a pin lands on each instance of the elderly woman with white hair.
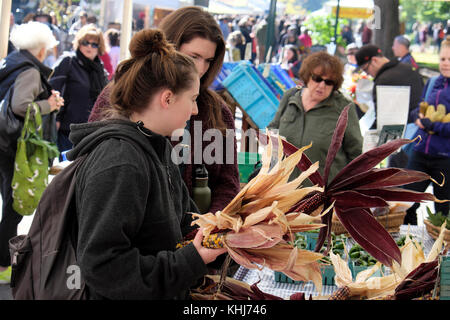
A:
(24, 77)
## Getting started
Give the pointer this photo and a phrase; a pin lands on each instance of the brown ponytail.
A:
(154, 64)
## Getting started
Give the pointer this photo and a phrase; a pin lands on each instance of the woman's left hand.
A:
(208, 255)
(419, 123)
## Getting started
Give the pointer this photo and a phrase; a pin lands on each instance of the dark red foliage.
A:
(358, 187)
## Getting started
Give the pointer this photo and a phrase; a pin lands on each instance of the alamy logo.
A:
(73, 281)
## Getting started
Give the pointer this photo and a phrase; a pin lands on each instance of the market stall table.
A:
(268, 284)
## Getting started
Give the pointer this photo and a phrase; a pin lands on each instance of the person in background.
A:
(55, 52)
(132, 205)
(305, 38)
(223, 23)
(12, 26)
(236, 43)
(391, 73)
(261, 39)
(79, 23)
(80, 77)
(290, 37)
(432, 154)
(112, 40)
(291, 61)
(401, 51)
(350, 52)
(24, 70)
(195, 33)
(310, 113)
(347, 35)
(366, 36)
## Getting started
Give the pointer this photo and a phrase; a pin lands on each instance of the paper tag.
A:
(266, 71)
(248, 51)
(269, 54)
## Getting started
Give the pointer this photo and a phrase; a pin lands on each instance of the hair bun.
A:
(148, 41)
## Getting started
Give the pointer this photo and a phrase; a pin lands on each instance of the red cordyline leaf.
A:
(365, 178)
(370, 235)
(368, 160)
(346, 200)
(398, 194)
(357, 188)
(336, 142)
(402, 177)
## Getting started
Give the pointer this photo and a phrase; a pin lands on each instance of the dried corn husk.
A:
(378, 287)
(256, 224)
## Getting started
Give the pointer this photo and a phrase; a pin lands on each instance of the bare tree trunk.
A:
(388, 27)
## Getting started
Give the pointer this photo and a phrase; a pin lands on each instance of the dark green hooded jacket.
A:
(131, 205)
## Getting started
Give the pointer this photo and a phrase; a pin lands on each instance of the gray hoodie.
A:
(131, 205)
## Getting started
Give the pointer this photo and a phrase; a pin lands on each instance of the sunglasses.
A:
(366, 66)
(319, 79)
(87, 43)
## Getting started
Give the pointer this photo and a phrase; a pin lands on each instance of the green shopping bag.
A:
(31, 164)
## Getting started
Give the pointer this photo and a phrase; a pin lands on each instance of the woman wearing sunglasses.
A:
(309, 113)
(80, 77)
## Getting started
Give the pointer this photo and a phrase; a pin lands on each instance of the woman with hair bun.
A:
(195, 33)
(131, 201)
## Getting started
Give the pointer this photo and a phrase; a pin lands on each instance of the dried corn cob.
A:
(213, 241)
(343, 293)
(310, 202)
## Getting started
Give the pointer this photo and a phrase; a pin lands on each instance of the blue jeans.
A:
(433, 166)
(64, 143)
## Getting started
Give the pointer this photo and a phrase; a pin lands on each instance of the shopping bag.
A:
(31, 163)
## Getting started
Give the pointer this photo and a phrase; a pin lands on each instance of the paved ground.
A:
(5, 292)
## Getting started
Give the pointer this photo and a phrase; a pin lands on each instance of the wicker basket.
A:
(391, 222)
(434, 231)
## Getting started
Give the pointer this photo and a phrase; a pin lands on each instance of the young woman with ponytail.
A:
(194, 32)
(132, 205)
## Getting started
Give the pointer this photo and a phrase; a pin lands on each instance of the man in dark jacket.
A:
(391, 73)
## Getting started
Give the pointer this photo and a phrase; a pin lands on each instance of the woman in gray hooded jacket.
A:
(132, 204)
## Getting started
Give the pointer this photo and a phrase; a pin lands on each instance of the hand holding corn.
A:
(208, 255)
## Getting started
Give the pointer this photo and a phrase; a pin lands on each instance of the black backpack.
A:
(44, 264)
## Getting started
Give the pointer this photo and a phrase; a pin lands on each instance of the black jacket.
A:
(395, 73)
(72, 81)
(17, 62)
(131, 205)
(11, 67)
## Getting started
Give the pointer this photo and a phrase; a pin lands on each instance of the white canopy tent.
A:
(228, 7)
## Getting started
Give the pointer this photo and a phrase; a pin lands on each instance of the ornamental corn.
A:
(213, 241)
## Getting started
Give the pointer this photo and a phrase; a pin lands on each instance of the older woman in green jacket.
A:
(310, 113)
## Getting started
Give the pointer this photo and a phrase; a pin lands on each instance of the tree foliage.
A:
(424, 11)
(322, 29)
